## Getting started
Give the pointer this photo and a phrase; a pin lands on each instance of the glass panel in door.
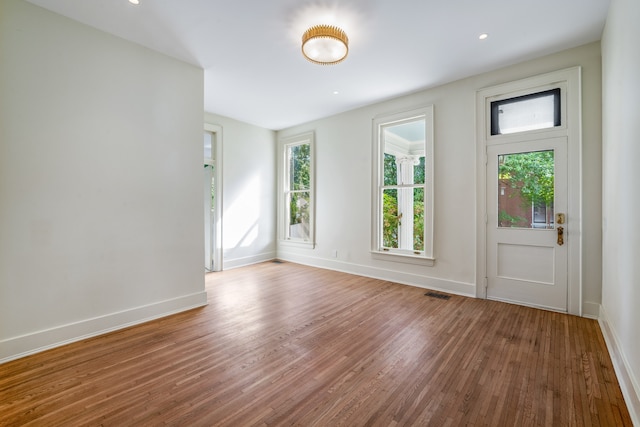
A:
(526, 190)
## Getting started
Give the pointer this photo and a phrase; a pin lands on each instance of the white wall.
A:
(100, 181)
(343, 180)
(248, 192)
(621, 196)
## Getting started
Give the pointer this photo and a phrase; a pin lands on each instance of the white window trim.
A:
(304, 138)
(426, 257)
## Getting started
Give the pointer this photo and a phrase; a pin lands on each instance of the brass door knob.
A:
(560, 236)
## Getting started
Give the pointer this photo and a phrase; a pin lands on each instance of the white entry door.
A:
(527, 225)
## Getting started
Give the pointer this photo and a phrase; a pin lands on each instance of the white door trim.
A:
(217, 209)
(571, 104)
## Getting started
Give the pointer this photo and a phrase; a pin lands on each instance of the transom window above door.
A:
(540, 110)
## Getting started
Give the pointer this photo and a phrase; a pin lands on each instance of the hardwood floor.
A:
(285, 344)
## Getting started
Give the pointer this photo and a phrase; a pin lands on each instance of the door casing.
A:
(569, 80)
(217, 209)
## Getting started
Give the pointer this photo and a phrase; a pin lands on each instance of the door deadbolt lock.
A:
(559, 218)
(560, 235)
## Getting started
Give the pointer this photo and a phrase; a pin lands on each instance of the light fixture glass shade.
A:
(325, 44)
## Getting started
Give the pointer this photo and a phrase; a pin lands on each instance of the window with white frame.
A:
(297, 189)
(403, 185)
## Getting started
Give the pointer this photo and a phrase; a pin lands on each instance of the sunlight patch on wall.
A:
(242, 216)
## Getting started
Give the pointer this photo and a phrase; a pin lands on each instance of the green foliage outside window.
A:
(300, 179)
(390, 170)
(532, 172)
(511, 220)
(532, 175)
(418, 219)
(390, 220)
(300, 167)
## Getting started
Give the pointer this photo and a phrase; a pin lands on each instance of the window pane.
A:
(390, 218)
(536, 111)
(418, 171)
(208, 143)
(299, 215)
(213, 187)
(406, 133)
(543, 215)
(403, 218)
(418, 219)
(526, 190)
(299, 167)
(390, 169)
(404, 150)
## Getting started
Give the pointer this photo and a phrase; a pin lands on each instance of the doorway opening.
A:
(212, 196)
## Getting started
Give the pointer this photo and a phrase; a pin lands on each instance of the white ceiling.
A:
(254, 71)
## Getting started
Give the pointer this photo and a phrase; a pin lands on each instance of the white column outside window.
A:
(405, 167)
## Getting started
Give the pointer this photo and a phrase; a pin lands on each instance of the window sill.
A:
(407, 259)
(298, 244)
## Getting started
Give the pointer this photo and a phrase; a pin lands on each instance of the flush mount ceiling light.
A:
(325, 44)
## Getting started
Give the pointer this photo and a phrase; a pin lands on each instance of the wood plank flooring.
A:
(285, 344)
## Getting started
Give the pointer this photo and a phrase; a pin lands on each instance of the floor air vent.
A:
(437, 295)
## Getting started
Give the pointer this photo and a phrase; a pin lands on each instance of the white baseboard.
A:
(450, 286)
(17, 347)
(629, 385)
(228, 264)
(591, 310)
